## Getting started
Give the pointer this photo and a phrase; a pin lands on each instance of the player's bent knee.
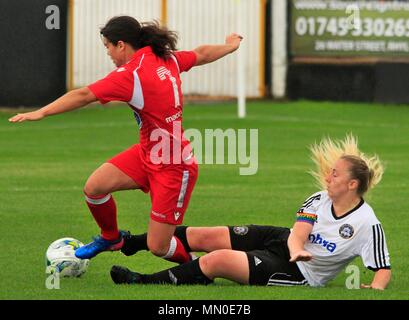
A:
(158, 249)
(159, 253)
(213, 261)
(92, 191)
(205, 264)
(95, 187)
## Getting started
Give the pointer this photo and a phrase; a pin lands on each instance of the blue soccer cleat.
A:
(99, 245)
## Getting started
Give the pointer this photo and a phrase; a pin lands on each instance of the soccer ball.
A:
(61, 259)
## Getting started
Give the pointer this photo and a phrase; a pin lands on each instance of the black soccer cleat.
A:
(122, 275)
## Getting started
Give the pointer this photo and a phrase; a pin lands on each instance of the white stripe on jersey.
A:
(176, 61)
(137, 99)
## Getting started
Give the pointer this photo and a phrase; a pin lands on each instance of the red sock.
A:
(177, 252)
(103, 209)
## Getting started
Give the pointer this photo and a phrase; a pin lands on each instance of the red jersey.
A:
(152, 88)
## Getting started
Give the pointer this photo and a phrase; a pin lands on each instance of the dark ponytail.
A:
(129, 30)
(162, 41)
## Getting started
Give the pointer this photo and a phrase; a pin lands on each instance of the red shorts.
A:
(170, 187)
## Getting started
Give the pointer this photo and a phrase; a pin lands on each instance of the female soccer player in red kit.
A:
(148, 79)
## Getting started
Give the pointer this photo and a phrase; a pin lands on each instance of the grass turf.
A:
(44, 165)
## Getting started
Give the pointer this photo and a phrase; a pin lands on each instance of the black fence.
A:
(380, 82)
(33, 63)
(33, 51)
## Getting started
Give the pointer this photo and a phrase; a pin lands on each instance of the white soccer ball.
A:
(61, 259)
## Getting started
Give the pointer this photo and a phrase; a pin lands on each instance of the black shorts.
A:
(268, 255)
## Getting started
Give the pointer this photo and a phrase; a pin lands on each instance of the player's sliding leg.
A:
(137, 242)
(196, 239)
(105, 180)
(162, 242)
(188, 273)
(228, 264)
(208, 239)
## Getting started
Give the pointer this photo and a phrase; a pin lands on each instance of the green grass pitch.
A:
(44, 166)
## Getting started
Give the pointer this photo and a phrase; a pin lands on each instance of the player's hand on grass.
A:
(234, 40)
(28, 116)
(370, 286)
(301, 255)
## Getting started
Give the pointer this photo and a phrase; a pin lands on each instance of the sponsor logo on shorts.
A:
(241, 231)
(346, 231)
(158, 214)
(177, 215)
(257, 261)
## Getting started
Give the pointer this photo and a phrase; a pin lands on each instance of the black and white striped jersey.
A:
(336, 241)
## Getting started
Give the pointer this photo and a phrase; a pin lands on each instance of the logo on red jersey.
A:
(174, 117)
(164, 73)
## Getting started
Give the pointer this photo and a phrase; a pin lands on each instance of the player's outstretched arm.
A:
(296, 241)
(209, 53)
(71, 100)
(380, 280)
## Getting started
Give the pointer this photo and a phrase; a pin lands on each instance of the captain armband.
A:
(306, 217)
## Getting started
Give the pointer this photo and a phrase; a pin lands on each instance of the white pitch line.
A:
(215, 117)
(28, 189)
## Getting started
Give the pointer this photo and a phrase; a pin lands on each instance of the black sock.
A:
(139, 242)
(135, 243)
(188, 273)
(180, 232)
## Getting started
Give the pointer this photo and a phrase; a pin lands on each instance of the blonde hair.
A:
(368, 170)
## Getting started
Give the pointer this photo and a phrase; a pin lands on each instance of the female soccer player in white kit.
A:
(332, 228)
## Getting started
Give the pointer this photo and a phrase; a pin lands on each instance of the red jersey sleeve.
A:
(186, 60)
(116, 86)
